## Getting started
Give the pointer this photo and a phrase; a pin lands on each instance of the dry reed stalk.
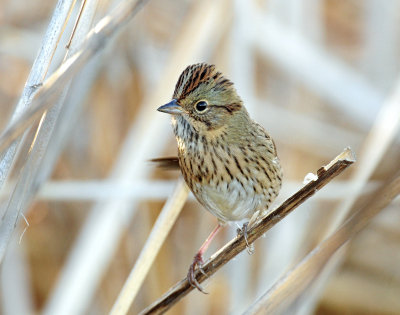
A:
(31, 176)
(158, 234)
(52, 87)
(36, 76)
(375, 145)
(295, 283)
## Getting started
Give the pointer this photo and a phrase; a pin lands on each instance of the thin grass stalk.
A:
(158, 234)
(79, 89)
(102, 230)
(294, 284)
(48, 93)
(36, 76)
(239, 244)
(27, 183)
(376, 144)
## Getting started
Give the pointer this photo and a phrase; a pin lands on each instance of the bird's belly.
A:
(229, 202)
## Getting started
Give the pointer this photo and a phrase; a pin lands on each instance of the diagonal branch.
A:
(298, 281)
(238, 244)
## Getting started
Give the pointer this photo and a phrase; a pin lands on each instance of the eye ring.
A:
(201, 106)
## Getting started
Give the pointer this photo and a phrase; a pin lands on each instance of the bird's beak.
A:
(172, 108)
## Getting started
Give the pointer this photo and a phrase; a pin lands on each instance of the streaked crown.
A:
(200, 75)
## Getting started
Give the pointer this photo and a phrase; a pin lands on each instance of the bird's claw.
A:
(197, 261)
(243, 230)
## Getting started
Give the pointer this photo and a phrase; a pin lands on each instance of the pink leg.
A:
(207, 242)
(198, 259)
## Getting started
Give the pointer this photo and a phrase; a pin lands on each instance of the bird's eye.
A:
(201, 106)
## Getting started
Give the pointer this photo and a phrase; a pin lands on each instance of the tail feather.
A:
(167, 163)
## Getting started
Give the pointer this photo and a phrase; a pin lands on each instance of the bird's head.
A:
(205, 99)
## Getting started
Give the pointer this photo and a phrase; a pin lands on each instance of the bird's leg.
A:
(198, 260)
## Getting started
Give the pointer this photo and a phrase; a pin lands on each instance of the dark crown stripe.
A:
(199, 74)
(192, 77)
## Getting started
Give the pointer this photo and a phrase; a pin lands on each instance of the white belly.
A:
(231, 203)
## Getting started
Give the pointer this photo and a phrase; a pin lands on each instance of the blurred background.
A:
(319, 75)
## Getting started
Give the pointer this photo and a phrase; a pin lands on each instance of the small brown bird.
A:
(228, 161)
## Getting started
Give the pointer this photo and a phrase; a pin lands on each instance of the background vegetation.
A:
(318, 75)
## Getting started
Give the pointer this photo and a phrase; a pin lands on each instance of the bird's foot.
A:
(197, 261)
(243, 230)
